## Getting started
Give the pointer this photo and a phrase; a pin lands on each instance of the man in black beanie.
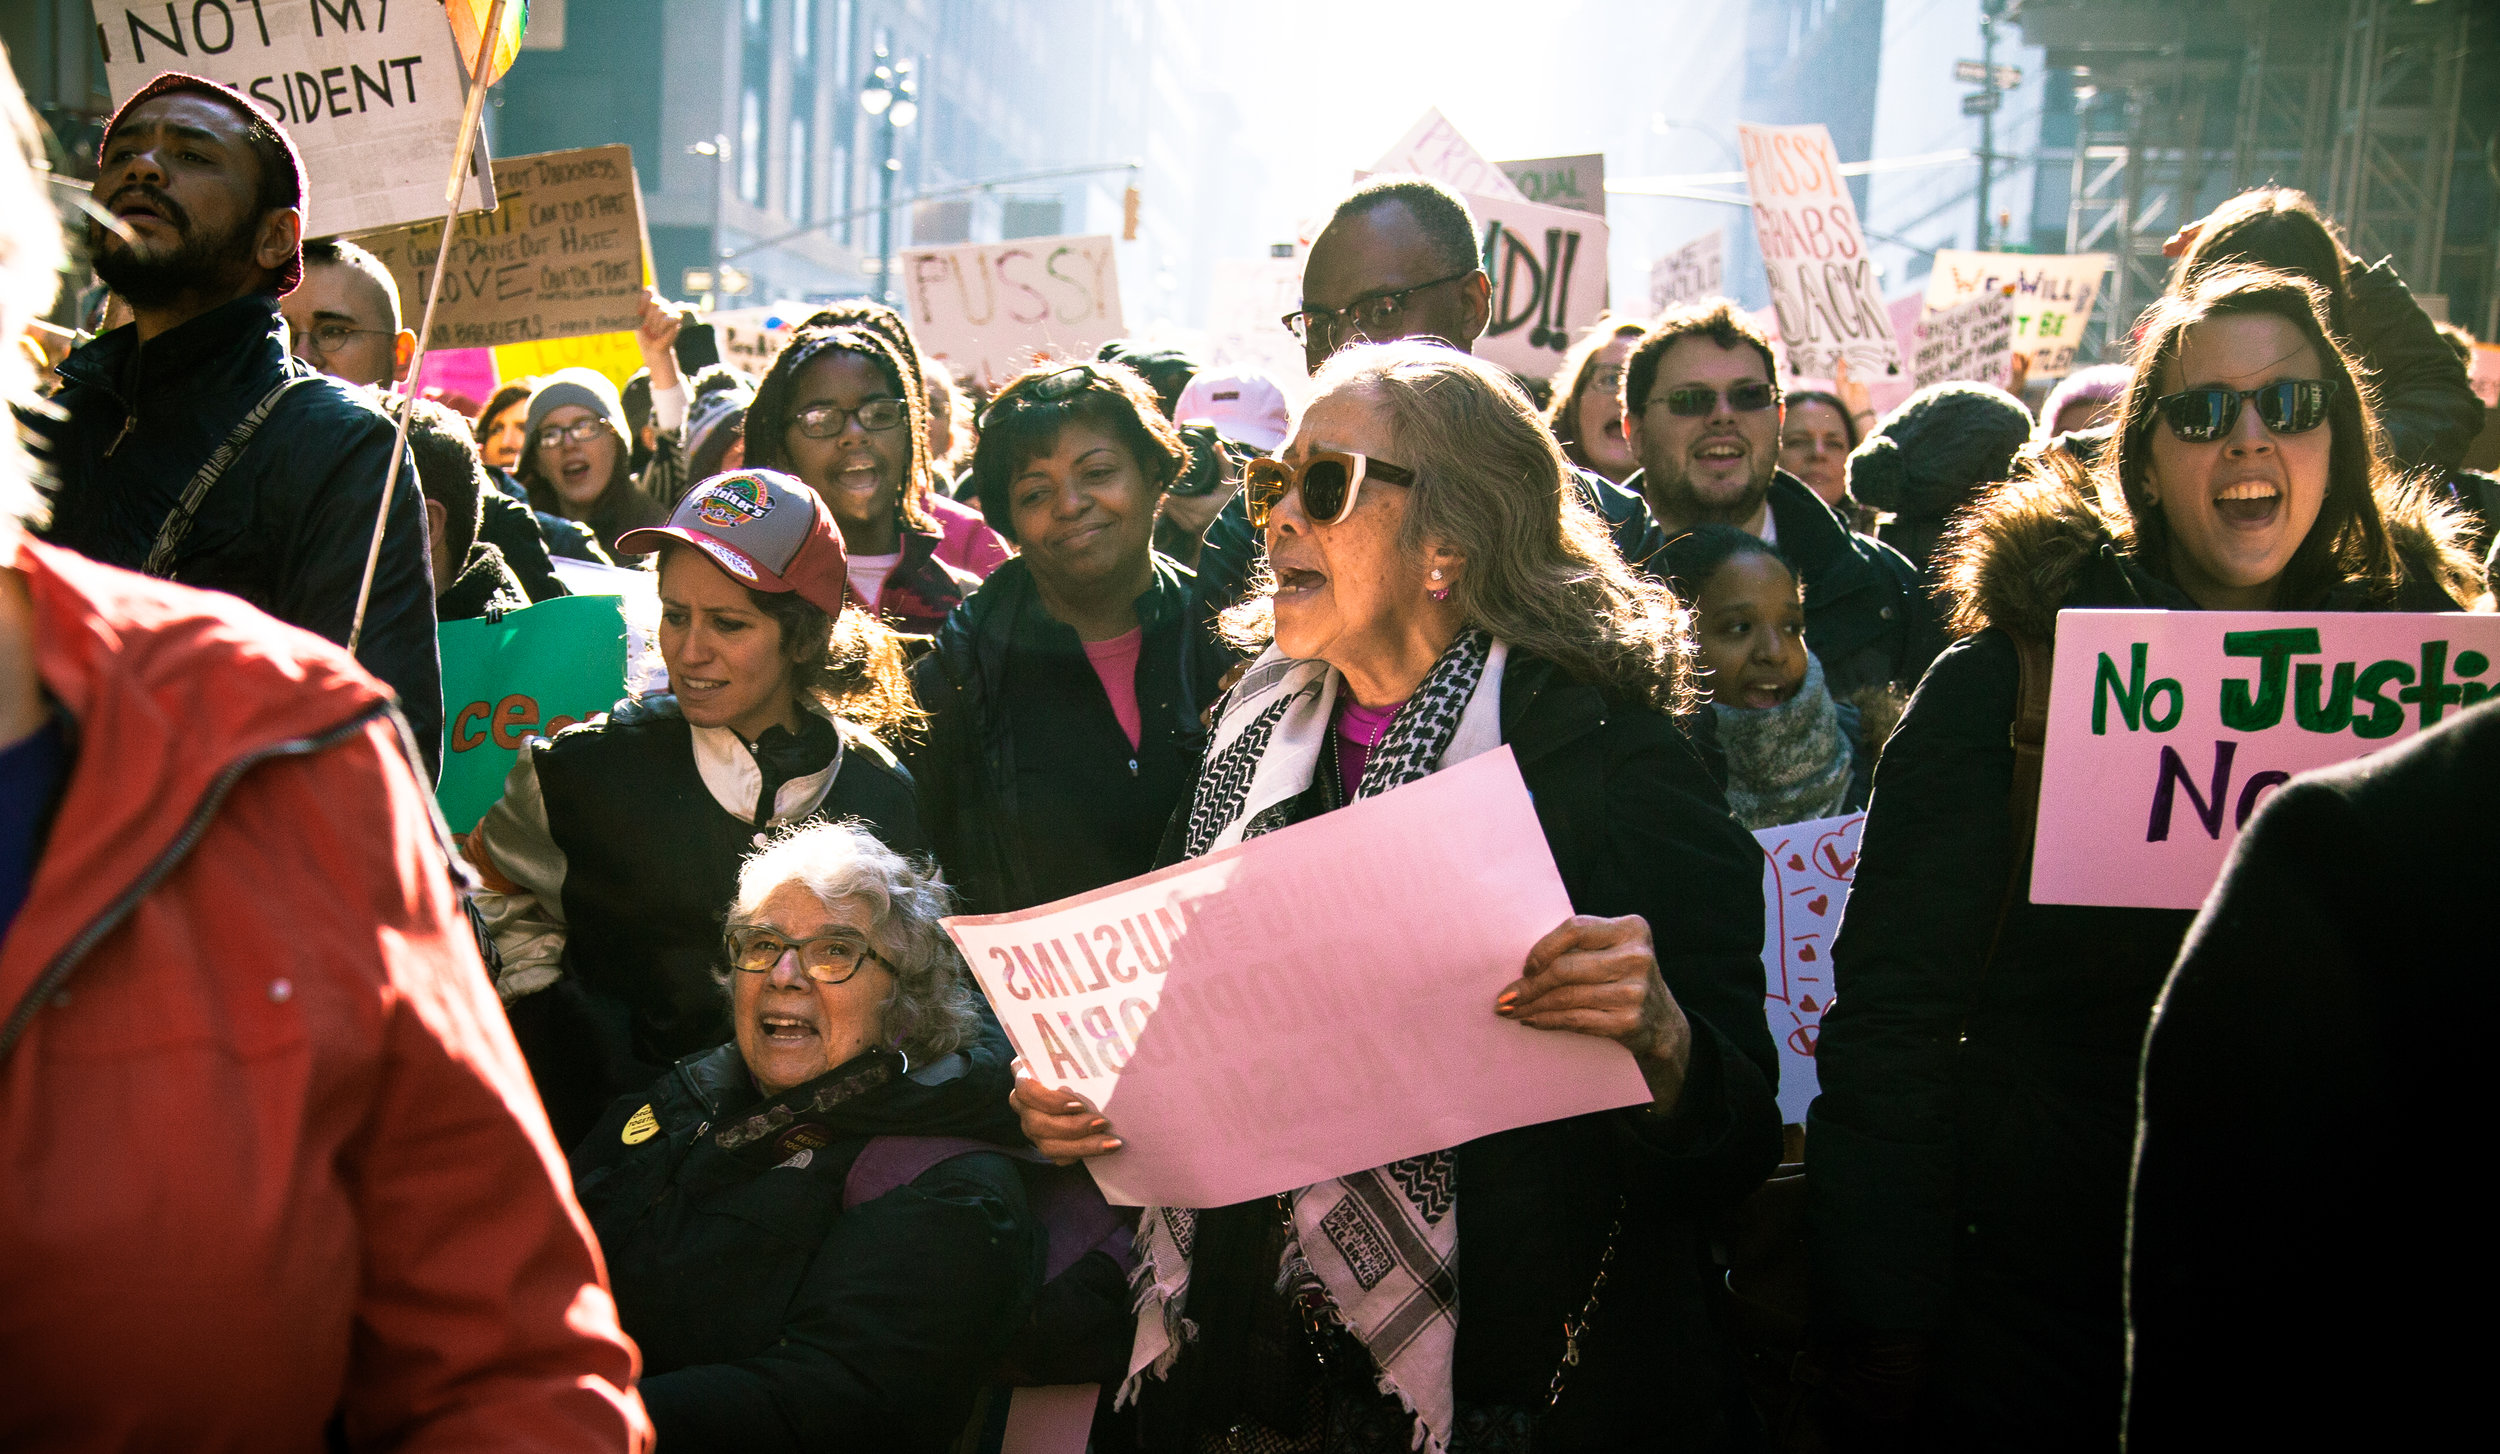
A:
(1942, 449)
(195, 448)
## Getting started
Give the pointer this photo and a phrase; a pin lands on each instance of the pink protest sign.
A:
(2168, 728)
(1807, 869)
(1310, 1003)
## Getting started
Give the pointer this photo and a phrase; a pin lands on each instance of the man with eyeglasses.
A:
(194, 447)
(343, 318)
(1701, 410)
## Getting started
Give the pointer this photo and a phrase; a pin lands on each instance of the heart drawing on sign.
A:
(1796, 864)
(1818, 904)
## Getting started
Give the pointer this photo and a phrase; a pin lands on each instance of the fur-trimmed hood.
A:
(2050, 540)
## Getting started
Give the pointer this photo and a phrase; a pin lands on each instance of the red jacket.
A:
(267, 1151)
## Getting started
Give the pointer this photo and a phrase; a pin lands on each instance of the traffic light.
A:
(1128, 216)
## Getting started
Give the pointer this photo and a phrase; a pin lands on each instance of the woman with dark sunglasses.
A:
(1969, 1155)
(1438, 590)
(1065, 698)
(842, 408)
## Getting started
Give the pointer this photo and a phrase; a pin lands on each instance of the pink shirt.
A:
(1115, 661)
(969, 544)
(1359, 730)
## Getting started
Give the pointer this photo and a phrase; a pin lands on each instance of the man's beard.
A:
(1673, 490)
(157, 280)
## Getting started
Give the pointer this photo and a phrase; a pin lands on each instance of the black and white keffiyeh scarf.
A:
(1383, 1243)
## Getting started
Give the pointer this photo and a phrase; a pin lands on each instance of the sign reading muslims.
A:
(1971, 339)
(527, 675)
(1548, 266)
(993, 309)
(1698, 269)
(1434, 148)
(1807, 870)
(2168, 728)
(369, 92)
(1578, 183)
(561, 256)
(2053, 298)
(1823, 282)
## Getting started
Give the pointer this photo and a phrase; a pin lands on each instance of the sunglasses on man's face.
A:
(2287, 406)
(1692, 401)
(1330, 481)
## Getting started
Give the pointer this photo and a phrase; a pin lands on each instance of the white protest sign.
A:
(369, 92)
(993, 309)
(2053, 297)
(1310, 1003)
(2168, 728)
(751, 338)
(1434, 148)
(1822, 281)
(1247, 300)
(1548, 266)
(1807, 869)
(1698, 269)
(1971, 339)
(1576, 182)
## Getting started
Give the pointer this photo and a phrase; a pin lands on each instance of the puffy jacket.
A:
(2425, 401)
(1968, 1154)
(267, 1152)
(1028, 788)
(609, 862)
(288, 526)
(772, 1317)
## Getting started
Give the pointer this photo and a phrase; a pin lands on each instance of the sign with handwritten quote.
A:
(992, 310)
(2052, 297)
(1548, 267)
(2168, 728)
(1823, 284)
(1807, 869)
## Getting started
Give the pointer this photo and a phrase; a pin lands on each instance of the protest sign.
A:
(370, 94)
(1548, 266)
(526, 675)
(1971, 339)
(1578, 183)
(1434, 148)
(561, 255)
(2053, 298)
(751, 338)
(1807, 869)
(1822, 281)
(2168, 728)
(993, 309)
(1247, 300)
(1310, 1003)
(1695, 270)
(613, 354)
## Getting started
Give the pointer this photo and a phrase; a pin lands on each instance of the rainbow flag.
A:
(468, 23)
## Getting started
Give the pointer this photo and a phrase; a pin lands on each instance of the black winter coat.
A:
(1968, 1153)
(288, 525)
(2299, 1250)
(2425, 401)
(769, 1317)
(1028, 788)
(1636, 826)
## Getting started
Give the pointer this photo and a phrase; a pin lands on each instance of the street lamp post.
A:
(891, 97)
(717, 149)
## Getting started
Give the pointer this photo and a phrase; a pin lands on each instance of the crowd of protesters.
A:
(662, 1106)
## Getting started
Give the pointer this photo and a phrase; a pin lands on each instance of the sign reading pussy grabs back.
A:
(2167, 729)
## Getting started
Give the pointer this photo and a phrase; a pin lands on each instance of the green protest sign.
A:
(523, 676)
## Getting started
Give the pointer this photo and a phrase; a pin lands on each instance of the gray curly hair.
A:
(932, 1011)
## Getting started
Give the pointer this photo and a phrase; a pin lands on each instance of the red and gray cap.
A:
(764, 528)
(291, 193)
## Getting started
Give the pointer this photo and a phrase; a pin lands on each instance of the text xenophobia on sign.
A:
(2168, 728)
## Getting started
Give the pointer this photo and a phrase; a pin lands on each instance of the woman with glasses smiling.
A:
(789, 1284)
(842, 410)
(1969, 1155)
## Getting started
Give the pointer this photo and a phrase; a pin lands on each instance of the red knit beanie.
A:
(291, 195)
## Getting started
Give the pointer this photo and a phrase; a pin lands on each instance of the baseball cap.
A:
(765, 529)
(1242, 404)
(290, 188)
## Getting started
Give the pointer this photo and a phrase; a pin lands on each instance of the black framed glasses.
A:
(1330, 481)
(2287, 406)
(1372, 316)
(824, 421)
(1692, 401)
(1050, 388)
(826, 958)
(579, 431)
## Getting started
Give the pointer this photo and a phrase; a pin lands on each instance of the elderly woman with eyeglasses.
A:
(801, 1267)
(1438, 590)
(1064, 699)
(843, 409)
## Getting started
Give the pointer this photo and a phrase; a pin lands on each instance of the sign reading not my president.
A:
(369, 90)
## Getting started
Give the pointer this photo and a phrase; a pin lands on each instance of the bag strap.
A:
(2029, 737)
(887, 1162)
(177, 526)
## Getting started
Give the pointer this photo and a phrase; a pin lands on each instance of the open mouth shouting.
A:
(1722, 449)
(2249, 503)
(788, 1031)
(1296, 584)
(859, 478)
